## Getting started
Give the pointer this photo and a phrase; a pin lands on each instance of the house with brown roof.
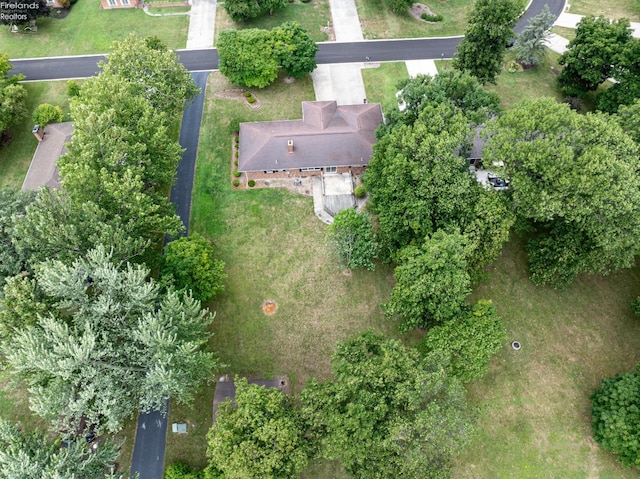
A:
(43, 170)
(329, 138)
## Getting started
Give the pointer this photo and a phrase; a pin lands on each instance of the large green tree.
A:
(261, 437)
(458, 89)
(432, 282)
(387, 412)
(295, 50)
(628, 117)
(189, 264)
(12, 97)
(30, 455)
(13, 205)
(247, 57)
(481, 51)
(530, 45)
(626, 72)
(416, 183)
(593, 53)
(58, 227)
(574, 180)
(243, 10)
(119, 131)
(470, 341)
(351, 237)
(156, 73)
(110, 344)
(615, 412)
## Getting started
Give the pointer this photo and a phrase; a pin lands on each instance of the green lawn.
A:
(522, 85)
(380, 83)
(535, 420)
(89, 29)
(611, 8)
(568, 33)
(16, 156)
(312, 16)
(274, 249)
(378, 21)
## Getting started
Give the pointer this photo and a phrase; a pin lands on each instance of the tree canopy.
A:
(574, 179)
(432, 282)
(155, 73)
(189, 264)
(470, 341)
(387, 412)
(242, 10)
(12, 97)
(294, 49)
(263, 437)
(13, 205)
(615, 412)
(252, 57)
(352, 238)
(481, 51)
(29, 455)
(110, 343)
(458, 89)
(592, 55)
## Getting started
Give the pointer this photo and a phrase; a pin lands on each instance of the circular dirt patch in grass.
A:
(269, 307)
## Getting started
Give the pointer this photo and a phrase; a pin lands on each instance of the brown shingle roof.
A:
(43, 170)
(327, 135)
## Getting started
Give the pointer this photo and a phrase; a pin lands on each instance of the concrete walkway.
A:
(346, 23)
(571, 20)
(202, 23)
(557, 43)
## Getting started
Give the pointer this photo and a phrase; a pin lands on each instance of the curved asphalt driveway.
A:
(58, 68)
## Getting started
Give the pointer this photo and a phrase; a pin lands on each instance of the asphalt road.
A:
(189, 132)
(58, 68)
(151, 439)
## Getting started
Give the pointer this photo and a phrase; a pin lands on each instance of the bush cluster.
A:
(236, 173)
(252, 183)
(431, 18)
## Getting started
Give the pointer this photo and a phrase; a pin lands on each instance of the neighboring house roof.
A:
(327, 135)
(43, 170)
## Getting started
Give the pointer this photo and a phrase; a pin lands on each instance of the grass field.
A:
(378, 21)
(89, 29)
(611, 9)
(535, 419)
(311, 16)
(16, 156)
(380, 83)
(568, 33)
(274, 248)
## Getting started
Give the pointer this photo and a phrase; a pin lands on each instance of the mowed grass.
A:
(535, 419)
(380, 83)
(523, 85)
(611, 9)
(89, 29)
(274, 248)
(378, 21)
(312, 16)
(15, 157)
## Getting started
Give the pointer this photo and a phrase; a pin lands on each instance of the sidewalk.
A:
(571, 20)
(202, 23)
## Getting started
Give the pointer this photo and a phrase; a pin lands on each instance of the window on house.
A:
(310, 169)
(331, 169)
(112, 2)
(125, 2)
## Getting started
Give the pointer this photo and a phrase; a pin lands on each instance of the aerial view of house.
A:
(313, 240)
